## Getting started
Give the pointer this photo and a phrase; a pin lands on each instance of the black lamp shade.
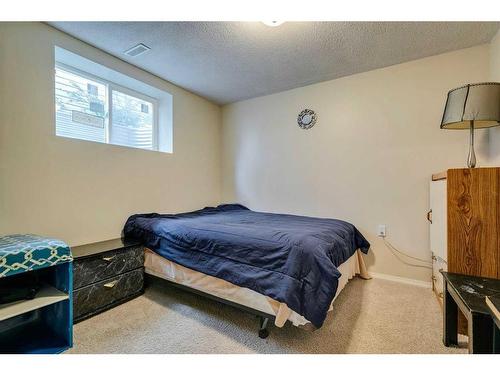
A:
(478, 102)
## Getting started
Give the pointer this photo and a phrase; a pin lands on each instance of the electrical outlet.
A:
(381, 230)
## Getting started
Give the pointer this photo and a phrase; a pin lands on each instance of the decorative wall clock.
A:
(306, 119)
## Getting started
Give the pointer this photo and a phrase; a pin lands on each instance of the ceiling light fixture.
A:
(273, 23)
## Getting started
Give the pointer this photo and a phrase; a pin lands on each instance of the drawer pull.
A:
(111, 284)
(108, 259)
(441, 295)
(429, 216)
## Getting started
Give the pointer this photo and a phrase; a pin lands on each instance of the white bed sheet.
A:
(158, 266)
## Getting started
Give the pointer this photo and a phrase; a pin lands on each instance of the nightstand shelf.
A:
(46, 296)
(34, 332)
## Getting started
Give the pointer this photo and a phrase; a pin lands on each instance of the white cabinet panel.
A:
(438, 229)
(437, 278)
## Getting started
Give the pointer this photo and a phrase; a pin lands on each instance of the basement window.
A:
(96, 103)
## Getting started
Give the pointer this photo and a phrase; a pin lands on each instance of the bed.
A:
(282, 267)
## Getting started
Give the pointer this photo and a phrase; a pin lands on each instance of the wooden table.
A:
(468, 294)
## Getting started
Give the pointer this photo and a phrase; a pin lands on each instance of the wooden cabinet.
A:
(464, 219)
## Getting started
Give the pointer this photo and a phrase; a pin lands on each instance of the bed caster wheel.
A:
(263, 333)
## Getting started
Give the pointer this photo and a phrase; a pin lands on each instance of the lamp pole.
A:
(471, 159)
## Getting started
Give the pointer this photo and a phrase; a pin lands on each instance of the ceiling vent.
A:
(137, 50)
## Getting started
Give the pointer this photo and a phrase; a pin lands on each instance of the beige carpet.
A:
(369, 316)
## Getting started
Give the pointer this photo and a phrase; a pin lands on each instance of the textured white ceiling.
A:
(231, 61)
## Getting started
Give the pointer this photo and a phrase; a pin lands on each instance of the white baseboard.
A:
(403, 280)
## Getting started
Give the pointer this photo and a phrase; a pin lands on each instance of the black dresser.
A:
(106, 274)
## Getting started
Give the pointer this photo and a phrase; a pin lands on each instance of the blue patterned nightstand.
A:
(44, 323)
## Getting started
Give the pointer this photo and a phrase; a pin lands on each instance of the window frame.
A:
(110, 87)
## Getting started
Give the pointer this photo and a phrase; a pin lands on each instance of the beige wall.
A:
(369, 158)
(494, 156)
(83, 191)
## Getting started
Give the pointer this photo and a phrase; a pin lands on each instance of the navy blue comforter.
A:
(292, 259)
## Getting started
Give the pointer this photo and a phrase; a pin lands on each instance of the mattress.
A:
(161, 267)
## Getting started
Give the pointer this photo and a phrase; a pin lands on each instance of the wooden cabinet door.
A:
(474, 221)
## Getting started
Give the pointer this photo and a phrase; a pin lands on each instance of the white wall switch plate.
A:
(381, 230)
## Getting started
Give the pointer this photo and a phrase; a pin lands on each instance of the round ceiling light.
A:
(273, 23)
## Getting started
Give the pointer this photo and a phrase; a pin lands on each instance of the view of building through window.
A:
(92, 109)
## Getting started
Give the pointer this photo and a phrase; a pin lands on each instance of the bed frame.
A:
(264, 318)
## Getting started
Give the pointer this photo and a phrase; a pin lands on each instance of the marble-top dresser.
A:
(106, 274)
